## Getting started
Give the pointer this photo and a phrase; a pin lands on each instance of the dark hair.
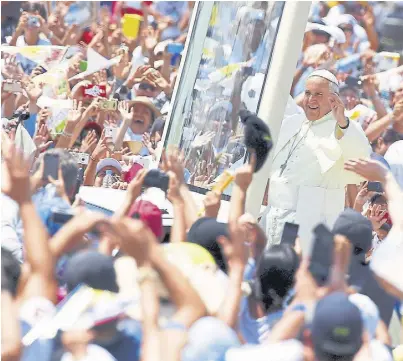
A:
(390, 136)
(69, 168)
(33, 7)
(10, 271)
(275, 271)
(378, 198)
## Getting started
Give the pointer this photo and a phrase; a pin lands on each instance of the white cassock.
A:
(311, 188)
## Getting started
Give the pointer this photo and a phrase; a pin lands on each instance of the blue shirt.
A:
(127, 344)
(30, 125)
(254, 331)
(46, 199)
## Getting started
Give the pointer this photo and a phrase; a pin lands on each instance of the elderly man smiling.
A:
(307, 181)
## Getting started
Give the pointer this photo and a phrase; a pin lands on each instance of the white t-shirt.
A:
(394, 156)
(379, 352)
(291, 350)
(94, 352)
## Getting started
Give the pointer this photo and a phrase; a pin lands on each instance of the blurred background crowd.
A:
(86, 92)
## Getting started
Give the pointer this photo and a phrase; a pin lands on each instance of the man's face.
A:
(381, 146)
(349, 98)
(316, 100)
(141, 119)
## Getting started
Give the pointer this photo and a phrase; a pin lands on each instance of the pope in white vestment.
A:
(307, 181)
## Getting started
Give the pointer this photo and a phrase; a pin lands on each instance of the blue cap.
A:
(337, 326)
(356, 227)
(93, 269)
(209, 339)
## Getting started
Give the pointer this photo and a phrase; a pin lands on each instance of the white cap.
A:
(333, 31)
(340, 19)
(109, 162)
(326, 74)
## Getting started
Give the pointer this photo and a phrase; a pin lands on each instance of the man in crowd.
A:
(307, 182)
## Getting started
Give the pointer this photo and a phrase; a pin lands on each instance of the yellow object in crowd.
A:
(332, 3)
(214, 14)
(398, 353)
(198, 255)
(131, 25)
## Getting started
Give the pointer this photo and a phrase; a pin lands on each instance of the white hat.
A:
(333, 31)
(326, 74)
(109, 162)
(340, 19)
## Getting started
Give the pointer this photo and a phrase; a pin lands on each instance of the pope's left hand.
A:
(337, 107)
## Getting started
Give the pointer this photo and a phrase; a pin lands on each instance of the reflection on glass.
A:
(231, 74)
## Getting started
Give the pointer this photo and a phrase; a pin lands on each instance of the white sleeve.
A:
(291, 350)
(354, 143)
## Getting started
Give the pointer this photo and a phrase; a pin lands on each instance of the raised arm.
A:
(133, 192)
(243, 179)
(127, 116)
(178, 230)
(16, 184)
(70, 236)
(138, 241)
(172, 160)
(236, 256)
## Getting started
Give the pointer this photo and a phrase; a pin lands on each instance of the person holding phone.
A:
(307, 180)
(29, 27)
(62, 167)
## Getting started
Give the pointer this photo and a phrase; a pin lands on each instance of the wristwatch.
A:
(344, 128)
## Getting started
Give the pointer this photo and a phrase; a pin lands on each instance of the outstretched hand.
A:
(371, 170)
(172, 160)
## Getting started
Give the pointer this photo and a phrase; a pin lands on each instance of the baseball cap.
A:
(356, 227)
(337, 326)
(93, 269)
(369, 312)
(109, 162)
(257, 136)
(205, 232)
(150, 214)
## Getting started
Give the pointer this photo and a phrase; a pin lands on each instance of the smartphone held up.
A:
(51, 166)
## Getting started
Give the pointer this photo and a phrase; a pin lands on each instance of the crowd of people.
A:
(86, 88)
